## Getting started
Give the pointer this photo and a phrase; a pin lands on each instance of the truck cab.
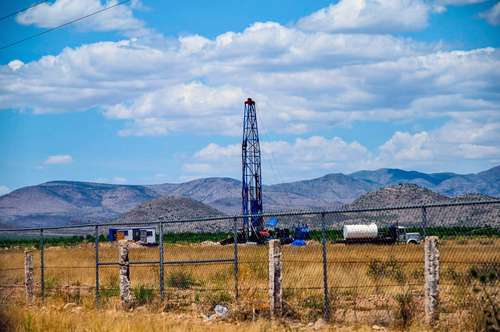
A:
(410, 238)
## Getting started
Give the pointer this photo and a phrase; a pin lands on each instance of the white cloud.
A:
(182, 107)
(307, 80)
(119, 18)
(118, 180)
(368, 16)
(456, 141)
(304, 156)
(15, 64)
(58, 159)
(4, 190)
(458, 2)
(405, 146)
(459, 141)
(492, 15)
(303, 81)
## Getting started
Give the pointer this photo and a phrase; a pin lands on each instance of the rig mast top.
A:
(251, 171)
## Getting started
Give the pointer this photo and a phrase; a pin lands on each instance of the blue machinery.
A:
(251, 192)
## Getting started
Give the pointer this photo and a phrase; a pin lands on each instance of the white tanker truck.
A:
(370, 234)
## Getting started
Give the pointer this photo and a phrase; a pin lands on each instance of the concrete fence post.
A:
(126, 296)
(431, 271)
(275, 278)
(29, 280)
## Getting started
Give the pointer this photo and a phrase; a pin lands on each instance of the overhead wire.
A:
(62, 25)
(22, 10)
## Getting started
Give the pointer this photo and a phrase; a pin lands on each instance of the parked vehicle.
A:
(371, 234)
(145, 236)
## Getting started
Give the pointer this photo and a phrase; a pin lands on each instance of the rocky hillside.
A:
(67, 202)
(400, 194)
(409, 194)
(449, 184)
(175, 208)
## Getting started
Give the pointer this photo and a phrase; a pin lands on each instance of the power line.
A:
(22, 10)
(62, 25)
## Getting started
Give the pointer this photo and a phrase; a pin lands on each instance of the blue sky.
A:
(153, 91)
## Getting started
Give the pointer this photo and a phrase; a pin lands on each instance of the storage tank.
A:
(352, 232)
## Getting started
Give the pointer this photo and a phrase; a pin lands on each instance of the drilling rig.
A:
(251, 191)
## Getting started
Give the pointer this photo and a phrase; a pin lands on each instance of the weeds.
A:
(404, 312)
(392, 269)
(219, 297)
(181, 280)
(143, 295)
(485, 314)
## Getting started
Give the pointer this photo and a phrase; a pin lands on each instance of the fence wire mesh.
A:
(377, 280)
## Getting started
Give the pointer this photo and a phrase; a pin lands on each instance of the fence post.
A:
(29, 280)
(326, 298)
(424, 221)
(125, 293)
(235, 267)
(275, 278)
(42, 266)
(162, 285)
(431, 270)
(97, 266)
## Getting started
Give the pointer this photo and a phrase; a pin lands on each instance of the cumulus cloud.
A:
(4, 190)
(283, 159)
(118, 180)
(305, 79)
(460, 139)
(368, 16)
(58, 159)
(459, 2)
(119, 18)
(15, 64)
(492, 16)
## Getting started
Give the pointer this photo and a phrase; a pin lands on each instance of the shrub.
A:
(220, 297)
(143, 295)
(181, 280)
(392, 269)
(51, 283)
(485, 313)
(405, 309)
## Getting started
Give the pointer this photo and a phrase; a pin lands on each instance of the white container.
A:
(360, 231)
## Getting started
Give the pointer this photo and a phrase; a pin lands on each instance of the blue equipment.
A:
(251, 192)
(298, 243)
(273, 222)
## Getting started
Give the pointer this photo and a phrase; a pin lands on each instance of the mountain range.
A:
(70, 202)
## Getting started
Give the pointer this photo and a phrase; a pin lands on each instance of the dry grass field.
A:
(368, 284)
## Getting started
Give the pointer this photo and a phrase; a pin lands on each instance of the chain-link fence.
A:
(372, 272)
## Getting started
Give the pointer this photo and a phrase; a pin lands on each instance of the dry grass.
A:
(26, 319)
(360, 293)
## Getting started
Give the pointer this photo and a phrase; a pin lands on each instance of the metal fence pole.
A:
(235, 268)
(42, 266)
(424, 221)
(162, 286)
(97, 266)
(326, 298)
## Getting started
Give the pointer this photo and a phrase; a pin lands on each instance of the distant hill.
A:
(67, 202)
(70, 202)
(450, 184)
(409, 194)
(175, 208)
(400, 194)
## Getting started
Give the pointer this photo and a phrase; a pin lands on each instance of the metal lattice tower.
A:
(250, 161)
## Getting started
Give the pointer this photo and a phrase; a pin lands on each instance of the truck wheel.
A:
(412, 242)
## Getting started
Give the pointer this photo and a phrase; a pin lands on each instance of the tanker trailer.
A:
(371, 234)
